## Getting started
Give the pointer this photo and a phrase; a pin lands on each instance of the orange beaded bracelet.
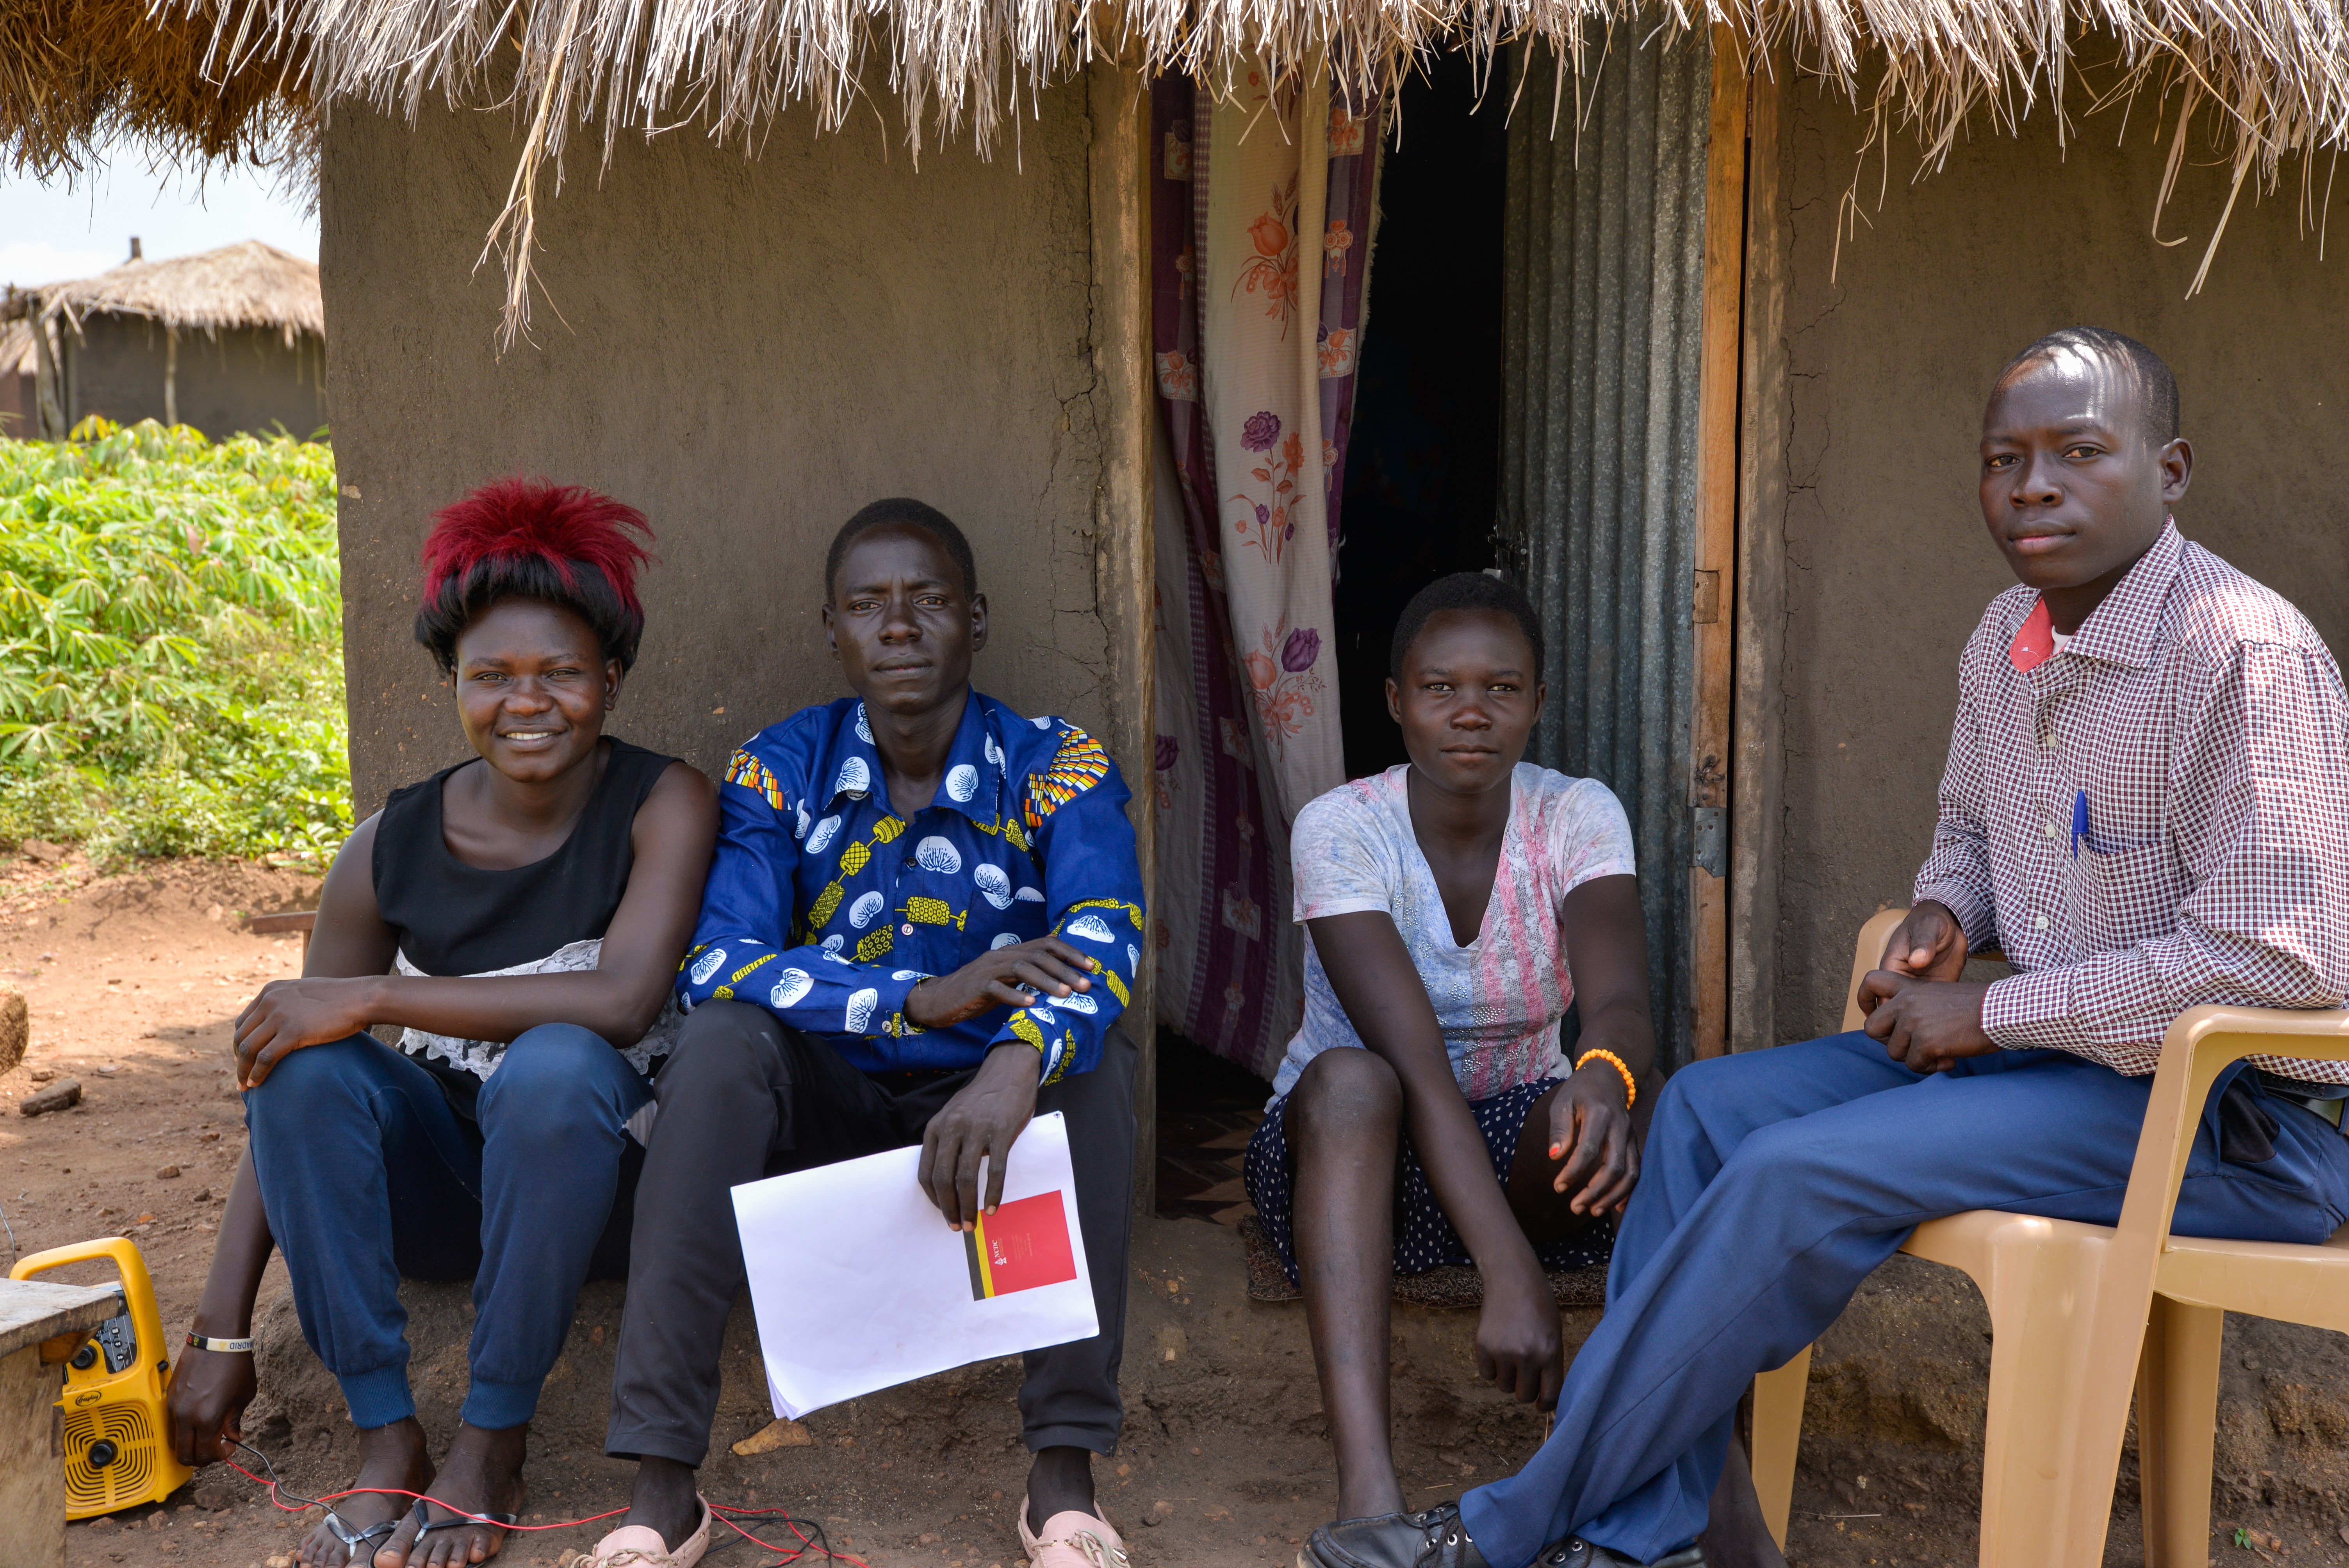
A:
(1630, 1085)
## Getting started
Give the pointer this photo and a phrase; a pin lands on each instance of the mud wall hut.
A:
(20, 410)
(231, 340)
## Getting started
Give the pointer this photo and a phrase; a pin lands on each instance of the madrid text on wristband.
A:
(226, 1347)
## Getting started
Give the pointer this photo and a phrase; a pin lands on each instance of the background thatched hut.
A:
(229, 341)
(1685, 314)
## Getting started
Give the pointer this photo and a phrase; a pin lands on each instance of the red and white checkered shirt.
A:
(2205, 721)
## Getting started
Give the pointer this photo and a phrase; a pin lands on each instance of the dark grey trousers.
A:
(744, 1097)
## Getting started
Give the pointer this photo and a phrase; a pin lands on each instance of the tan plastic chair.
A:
(2081, 1315)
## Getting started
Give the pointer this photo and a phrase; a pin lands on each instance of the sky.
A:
(52, 233)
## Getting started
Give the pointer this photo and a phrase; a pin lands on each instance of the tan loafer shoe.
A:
(1071, 1539)
(636, 1546)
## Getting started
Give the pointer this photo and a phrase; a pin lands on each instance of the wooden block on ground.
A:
(15, 1027)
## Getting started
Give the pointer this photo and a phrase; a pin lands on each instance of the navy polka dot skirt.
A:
(1423, 1237)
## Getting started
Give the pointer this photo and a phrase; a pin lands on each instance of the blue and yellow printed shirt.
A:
(826, 908)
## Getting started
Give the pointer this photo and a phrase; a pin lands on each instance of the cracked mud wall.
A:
(1888, 568)
(746, 348)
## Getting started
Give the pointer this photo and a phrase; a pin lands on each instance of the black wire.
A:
(277, 1488)
(817, 1542)
(13, 1253)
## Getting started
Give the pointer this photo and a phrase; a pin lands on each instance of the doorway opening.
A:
(1423, 461)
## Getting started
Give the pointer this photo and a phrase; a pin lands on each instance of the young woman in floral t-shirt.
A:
(1457, 905)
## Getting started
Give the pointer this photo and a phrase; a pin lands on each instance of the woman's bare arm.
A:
(1606, 943)
(1606, 939)
(210, 1389)
(675, 831)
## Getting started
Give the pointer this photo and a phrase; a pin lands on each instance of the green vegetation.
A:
(170, 644)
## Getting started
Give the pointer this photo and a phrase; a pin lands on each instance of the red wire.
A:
(719, 1512)
(399, 1491)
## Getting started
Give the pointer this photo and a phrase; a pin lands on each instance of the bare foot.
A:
(481, 1474)
(664, 1501)
(392, 1457)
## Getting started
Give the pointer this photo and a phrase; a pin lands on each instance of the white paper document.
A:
(857, 1283)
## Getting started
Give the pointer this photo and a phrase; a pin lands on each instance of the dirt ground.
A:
(133, 982)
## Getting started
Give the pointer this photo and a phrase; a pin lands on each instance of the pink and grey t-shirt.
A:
(1499, 999)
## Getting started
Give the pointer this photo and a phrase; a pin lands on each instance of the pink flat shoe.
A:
(636, 1546)
(1072, 1540)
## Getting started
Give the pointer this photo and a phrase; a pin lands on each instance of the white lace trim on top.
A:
(481, 1057)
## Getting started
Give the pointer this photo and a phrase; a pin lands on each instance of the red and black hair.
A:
(529, 539)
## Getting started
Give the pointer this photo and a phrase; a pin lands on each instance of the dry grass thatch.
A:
(2270, 75)
(78, 73)
(2269, 78)
(245, 284)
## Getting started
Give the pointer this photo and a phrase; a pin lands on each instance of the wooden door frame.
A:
(1757, 762)
(1125, 550)
(1714, 599)
(1736, 763)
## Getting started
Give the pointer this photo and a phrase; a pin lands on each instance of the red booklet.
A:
(1021, 1245)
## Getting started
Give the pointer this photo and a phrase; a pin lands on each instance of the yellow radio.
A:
(115, 1439)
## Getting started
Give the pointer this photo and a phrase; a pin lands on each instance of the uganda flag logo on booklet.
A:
(1020, 1246)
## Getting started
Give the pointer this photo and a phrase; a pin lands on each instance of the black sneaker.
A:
(1430, 1539)
(1576, 1552)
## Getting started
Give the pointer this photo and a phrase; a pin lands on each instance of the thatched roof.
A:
(75, 74)
(245, 284)
(16, 354)
(2268, 76)
(2271, 75)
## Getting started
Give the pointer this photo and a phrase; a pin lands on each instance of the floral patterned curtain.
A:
(1259, 282)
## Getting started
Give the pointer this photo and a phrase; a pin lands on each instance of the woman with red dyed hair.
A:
(521, 916)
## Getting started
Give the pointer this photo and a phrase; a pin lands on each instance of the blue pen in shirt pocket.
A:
(2083, 832)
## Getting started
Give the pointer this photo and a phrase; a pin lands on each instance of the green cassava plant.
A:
(171, 643)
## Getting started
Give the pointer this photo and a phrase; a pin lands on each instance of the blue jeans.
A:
(1772, 1185)
(369, 1173)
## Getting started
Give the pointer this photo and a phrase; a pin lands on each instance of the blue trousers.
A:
(1772, 1185)
(369, 1173)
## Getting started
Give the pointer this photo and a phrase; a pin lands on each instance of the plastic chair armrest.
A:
(1865, 955)
(2202, 1043)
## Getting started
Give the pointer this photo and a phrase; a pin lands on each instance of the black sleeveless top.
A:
(456, 919)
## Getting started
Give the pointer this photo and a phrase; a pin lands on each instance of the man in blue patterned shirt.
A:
(924, 918)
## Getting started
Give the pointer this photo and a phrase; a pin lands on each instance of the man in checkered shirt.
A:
(2147, 807)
